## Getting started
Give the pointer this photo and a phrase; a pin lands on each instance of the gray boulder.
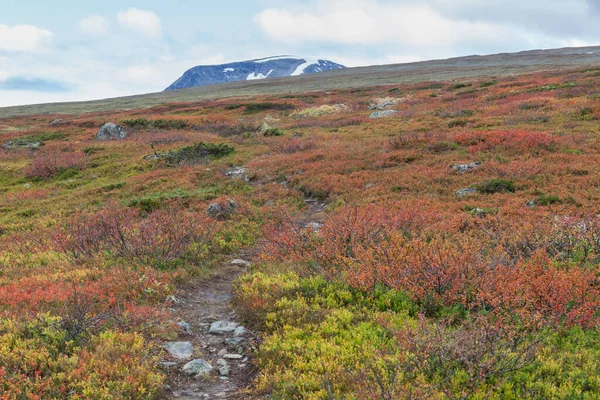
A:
(462, 168)
(382, 106)
(226, 327)
(179, 350)
(466, 191)
(382, 114)
(197, 367)
(22, 144)
(110, 131)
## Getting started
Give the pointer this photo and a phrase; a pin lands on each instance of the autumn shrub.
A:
(161, 238)
(254, 108)
(39, 360)
(507, 140)
(46, 165)
(294, 145)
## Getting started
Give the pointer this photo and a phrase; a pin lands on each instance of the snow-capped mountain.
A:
(271, 67)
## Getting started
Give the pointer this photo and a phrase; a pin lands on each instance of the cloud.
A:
(455, 25)
(18, 83)
(24, 39)
(144, 74)
(140, 21)
(94, 25)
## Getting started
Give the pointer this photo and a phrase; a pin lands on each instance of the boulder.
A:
(462, 168)
(382, 114)
(22, 144)
(241, 263)
(382, 106)
(179, 350)
(226, 327)
(222, 210)
(466, 191)
(238, 173)
(197, 367)
(110, 131)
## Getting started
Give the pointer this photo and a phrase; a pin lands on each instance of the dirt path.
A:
(200, 305)
(205, 303)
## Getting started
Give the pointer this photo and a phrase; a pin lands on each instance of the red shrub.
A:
(49, 164)
(507, 140)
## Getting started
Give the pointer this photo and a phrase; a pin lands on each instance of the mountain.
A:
(271, 67)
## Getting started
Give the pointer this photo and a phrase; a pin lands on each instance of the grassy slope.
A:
(440, 70)
(536, 135)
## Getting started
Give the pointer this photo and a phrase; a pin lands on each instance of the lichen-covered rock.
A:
(226, 327)
(462, 168)
(110, 131)
(22, 144)
(382, 114)
(466, 191)
(197, 367)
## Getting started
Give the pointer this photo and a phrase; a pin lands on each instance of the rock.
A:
(22, 144)
(167, 365)
(382, 114)
(241, 263)
(179, 350)
(224, 327)
(56, 121)
(265, 127)
(239, 331)
(27, 185)
(315, 226)
(382, 106)
(234, 341)
(233, 356)
(197, 367)
(223, 367)
(462, 168)
(215, 209)
(238, 173)
(222, 352)
(185, 327)
(222, 211)
(466, 191)
(530, 203)
(110, 131)
(152, 157)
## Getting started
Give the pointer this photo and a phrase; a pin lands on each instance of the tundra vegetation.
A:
(374, 279)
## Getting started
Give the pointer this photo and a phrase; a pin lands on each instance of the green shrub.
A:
(488, 84)
(200, 152)
(273, 132)
(43, 137)
(548, 199)
(254, 108)
(496, 186)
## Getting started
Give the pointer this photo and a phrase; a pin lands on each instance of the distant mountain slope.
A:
(271, 67)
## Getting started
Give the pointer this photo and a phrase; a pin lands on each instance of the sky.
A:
(69, 50)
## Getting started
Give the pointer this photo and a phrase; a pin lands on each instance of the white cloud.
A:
(141, 21)
(431, 24)
(144, 74)
(24, 38)
(94, 25)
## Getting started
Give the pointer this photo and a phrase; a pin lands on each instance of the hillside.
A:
(264, 68)
(349, 78)
(402, 233)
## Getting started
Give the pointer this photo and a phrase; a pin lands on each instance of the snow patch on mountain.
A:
(254, 76)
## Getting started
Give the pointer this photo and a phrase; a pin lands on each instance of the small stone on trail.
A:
(197, 367)
(179, 350)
